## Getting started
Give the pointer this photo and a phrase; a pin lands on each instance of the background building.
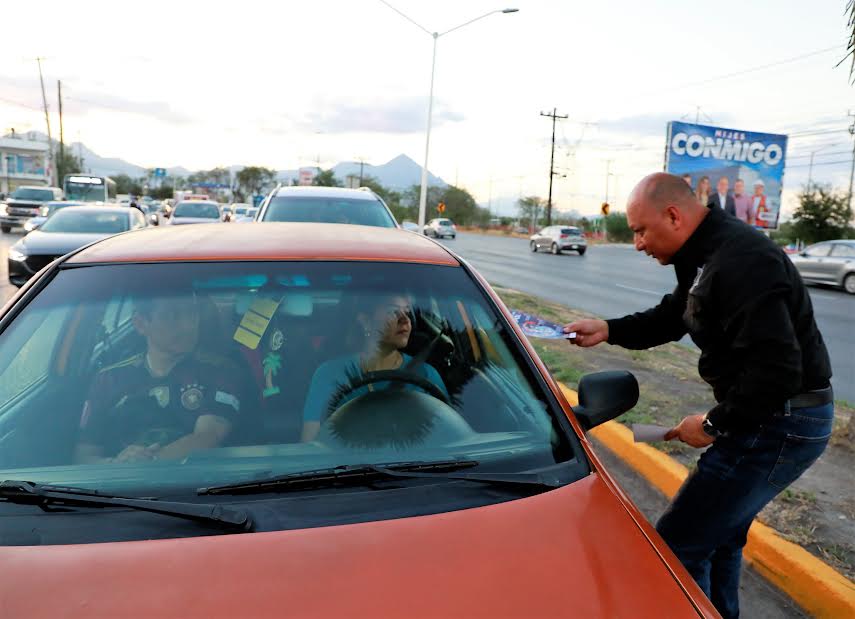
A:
(23, 161)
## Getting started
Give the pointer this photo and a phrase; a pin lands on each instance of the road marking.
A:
(658, 294)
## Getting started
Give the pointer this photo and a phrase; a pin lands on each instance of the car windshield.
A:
(72, 220)
(146, 378)
(571, 231)
(366, 212)
(201, 210)
(444, 222)
(39, 195)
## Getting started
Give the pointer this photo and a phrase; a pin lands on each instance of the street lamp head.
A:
(509, 10)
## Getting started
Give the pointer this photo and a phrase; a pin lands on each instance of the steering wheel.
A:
(381, 376)
(392, 418)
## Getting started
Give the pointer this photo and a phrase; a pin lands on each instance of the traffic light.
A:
(604, 209)
(441, 207)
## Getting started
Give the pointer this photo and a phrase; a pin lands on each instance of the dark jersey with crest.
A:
(128, 406)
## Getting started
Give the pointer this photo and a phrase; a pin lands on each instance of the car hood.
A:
(56, 243)
(571, 552)
(180, 221)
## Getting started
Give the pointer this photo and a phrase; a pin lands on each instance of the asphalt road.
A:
(6, 241)
(613, 280)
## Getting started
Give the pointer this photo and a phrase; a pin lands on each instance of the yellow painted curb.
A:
(811, 583)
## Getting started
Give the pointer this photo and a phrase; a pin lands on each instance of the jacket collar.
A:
(701, 244)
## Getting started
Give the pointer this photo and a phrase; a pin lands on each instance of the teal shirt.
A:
(333, 374)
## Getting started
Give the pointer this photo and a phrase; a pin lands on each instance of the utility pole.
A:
(852, 170)
(554, 116)
(61, 136)
(47, 118)
(606, 199)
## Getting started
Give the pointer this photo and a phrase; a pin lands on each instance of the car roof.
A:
(180, 202)
(267, 241)
(99, 209)
(326, 192)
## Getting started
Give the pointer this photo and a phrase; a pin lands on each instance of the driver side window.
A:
(818, 251)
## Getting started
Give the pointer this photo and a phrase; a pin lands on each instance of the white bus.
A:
(84, 188)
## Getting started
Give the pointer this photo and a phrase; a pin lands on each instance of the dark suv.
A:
(25, 203)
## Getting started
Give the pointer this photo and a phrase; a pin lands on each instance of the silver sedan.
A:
(830, 262)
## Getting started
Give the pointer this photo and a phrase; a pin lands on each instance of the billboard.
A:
(757, 159)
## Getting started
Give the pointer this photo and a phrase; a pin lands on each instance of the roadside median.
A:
(811, 583)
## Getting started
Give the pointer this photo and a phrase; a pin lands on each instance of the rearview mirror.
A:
(604, 396)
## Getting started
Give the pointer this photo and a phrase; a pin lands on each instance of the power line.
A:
(19, 104)
(804, 134)
(805, 165)
(753, 69)
(820, 154)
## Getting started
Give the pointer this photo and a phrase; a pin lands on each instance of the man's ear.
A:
(674, 216)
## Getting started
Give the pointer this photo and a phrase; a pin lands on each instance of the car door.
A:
(810, 263)
(841, 261)
(543, 238)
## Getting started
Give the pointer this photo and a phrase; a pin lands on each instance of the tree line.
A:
(823, 214)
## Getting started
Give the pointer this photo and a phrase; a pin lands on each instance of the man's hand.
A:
(589, 332)
(691, 432)
(137, 452)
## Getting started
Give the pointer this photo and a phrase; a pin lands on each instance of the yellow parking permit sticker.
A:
(255, 322)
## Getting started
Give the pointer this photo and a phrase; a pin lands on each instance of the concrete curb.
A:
(811, 583)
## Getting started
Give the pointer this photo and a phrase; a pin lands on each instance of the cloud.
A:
(646, 125)
(402, 115)
(26, 91)
(159, 110)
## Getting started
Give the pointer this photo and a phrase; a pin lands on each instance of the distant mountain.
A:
(399, 174)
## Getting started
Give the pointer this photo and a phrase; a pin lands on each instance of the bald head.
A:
(660, 190)
(663, 212)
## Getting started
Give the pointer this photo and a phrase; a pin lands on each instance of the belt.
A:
(810, 399)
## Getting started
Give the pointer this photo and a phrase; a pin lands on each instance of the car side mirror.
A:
(803, 254)
(154, 220)
(604, 396)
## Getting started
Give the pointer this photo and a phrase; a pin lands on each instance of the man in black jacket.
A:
(721, 199)
(745, 306)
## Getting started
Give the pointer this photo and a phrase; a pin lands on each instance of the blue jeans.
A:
(707, 523)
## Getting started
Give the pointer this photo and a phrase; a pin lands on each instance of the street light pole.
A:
(435, 36)
(423, 190)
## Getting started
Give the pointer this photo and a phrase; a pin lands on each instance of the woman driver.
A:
(386, 327)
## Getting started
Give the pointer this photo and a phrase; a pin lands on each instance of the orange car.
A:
(303, 420)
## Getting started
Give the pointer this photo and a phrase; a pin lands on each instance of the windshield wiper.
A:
(359, 474)
(43, 495)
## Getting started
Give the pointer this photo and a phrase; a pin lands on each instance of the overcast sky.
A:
(288, 84)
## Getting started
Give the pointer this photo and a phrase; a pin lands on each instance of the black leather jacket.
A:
(743, 303)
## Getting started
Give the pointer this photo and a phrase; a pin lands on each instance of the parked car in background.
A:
(25, 203)
(247, 215)
(831, 262)
(46, 211)
(327, 205)
(458, 485)
(239, 208)
(440, 228)
(64, 231)
(195, 212)
(559, 238)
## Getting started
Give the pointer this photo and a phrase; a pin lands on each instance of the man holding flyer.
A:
(761, 352)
